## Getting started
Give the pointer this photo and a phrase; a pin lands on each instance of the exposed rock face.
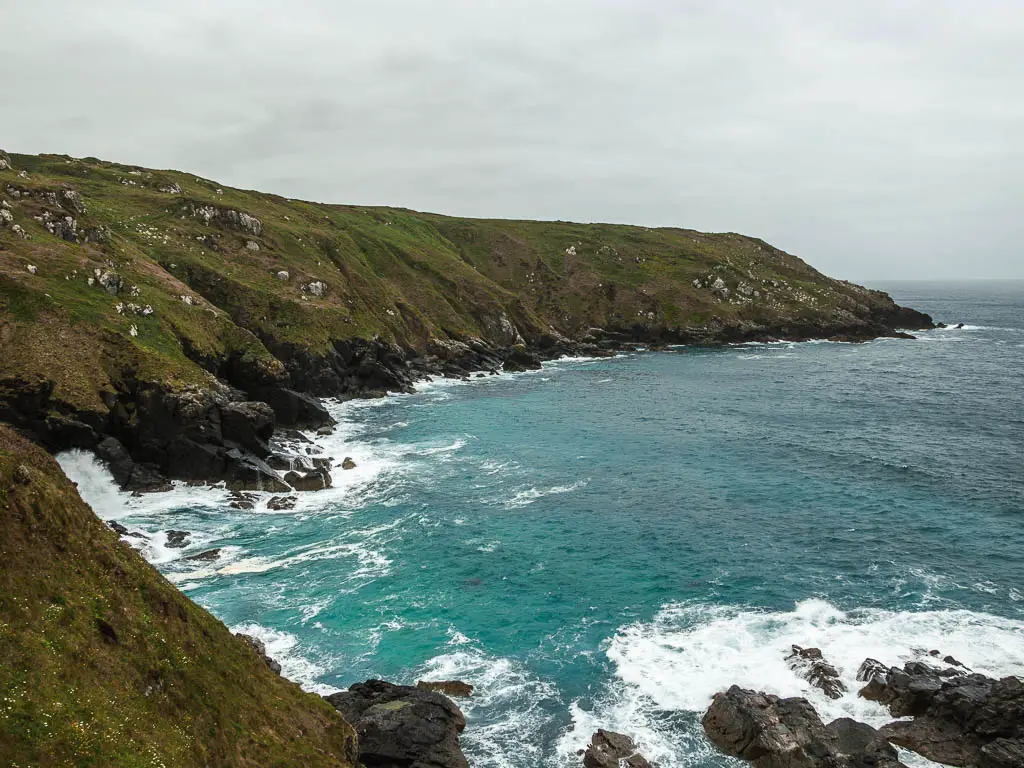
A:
(227, 218)
(455, 688)
(261, 651)
(613, 750)
(811, 665)
(787, 733)
(521, 359)
(399, 726)
(297, 409)
(959, 719)
(250, 424)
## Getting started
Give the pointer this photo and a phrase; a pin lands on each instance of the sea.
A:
(605, 543)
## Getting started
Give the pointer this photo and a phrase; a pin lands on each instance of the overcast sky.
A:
(874, 138)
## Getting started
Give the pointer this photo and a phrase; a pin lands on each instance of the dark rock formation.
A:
(120, 530)
(811, 665)
(261, 651)
(347, 463)
(399, 726)
(177, 539)
(787, 733)
(960, 719)
(519, 358)
(282, 502)
(613, 750)
(455, 688)
(249, 424)
(316, 480)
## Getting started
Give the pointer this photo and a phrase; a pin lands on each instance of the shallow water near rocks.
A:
(606, 543)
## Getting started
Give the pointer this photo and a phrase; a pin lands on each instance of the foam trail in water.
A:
(509, 708)
(282, 648)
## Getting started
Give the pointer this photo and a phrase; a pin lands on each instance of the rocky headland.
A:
(176, 326)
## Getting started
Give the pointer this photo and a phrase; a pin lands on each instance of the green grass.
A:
(392, 274)
(104, 663)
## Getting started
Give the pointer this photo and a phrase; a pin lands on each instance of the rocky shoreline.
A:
(956, 717)
(243, 431)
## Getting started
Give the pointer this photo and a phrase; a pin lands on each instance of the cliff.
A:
(105, 663)
(139, 304)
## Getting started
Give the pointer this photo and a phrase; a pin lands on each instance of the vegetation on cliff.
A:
(104, 663)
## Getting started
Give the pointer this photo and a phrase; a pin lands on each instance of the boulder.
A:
(400, 726)
(130, 475)
(771, 732)
(613, 750)
(245, 472)
(316, 480)
(811, 665)
(278, 503)
(347, 463)
(120, 530)
(261, 650)
(455, 688)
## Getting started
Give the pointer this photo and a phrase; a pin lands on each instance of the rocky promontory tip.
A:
(401, 726)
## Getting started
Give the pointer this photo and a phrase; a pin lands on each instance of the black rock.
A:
(400, 726)
(205, 557)
(959, 719)
(316, 480)
(120, 530)
(347, 463)
(177, 539)
(787, 733)
(296, 409)
(613, 750)
(282, 502)
(811, 665)
(249, 424)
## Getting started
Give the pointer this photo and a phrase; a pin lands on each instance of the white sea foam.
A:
(282, 647)
(508, 711)
(530, 495)
(95, 484)
(678, 661)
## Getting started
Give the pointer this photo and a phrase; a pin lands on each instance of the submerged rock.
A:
(177, 539)
(347, 463)
(205, 557)
(613, 750)
(399, 726)
(455, 688)
(278, 503)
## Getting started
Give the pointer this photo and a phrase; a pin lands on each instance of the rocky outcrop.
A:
(608, 749)
(399, 726)
(811, 665)
(959, 719)
(771, 732)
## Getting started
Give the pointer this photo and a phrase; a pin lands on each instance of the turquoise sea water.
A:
(606, 543)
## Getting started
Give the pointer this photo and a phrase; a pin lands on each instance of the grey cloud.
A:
(874, 139)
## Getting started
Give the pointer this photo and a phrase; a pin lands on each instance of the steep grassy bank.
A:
(119, 282)
(104, 663)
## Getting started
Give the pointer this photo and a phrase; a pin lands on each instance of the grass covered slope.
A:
(111, 272)
(104, 663)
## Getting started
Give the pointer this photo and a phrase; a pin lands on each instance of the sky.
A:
(876, 139)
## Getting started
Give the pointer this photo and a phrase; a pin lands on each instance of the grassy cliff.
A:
(104, 663)
(109, 272)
